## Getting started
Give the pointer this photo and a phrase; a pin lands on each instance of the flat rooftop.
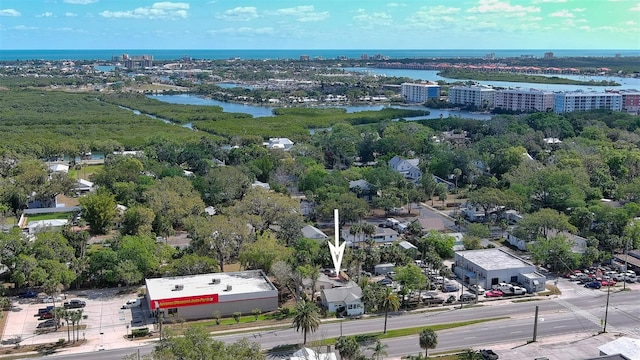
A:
(241, 282)
(493, 259)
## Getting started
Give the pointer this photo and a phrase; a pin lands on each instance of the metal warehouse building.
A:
(493, 266)
(199, 296)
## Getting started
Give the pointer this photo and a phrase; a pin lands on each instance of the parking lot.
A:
(105, 323)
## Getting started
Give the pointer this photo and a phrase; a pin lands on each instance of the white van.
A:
(130, 304)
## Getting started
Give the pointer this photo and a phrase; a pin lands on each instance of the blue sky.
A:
(320, 24)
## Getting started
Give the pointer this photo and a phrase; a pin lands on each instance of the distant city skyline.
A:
(320, 24)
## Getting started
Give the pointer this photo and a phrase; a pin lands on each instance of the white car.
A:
(475, 289)
(50, 299)
(130, 304)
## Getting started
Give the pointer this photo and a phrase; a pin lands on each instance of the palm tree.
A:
(58, 313)
(355, 230)
(306, 318)
(379, 351)
(389, 302)
(369, 230)
(428, 340)
(67, 316)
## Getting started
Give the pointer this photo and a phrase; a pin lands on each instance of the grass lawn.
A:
(60, 216)
(85, 172)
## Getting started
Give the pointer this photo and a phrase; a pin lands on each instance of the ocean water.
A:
(107, 55)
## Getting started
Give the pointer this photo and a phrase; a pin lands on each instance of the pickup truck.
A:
(74, 304)
(44, 310)
(508, 289)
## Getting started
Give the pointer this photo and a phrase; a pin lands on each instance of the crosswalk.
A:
(585, 314)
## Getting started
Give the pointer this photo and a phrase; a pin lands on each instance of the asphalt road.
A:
(579, 315)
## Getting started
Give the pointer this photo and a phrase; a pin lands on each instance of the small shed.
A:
(383, 269)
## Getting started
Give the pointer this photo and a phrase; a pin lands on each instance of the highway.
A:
(579, 315)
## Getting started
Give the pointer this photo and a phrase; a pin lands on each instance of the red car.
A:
(608, 282)
(493, 293)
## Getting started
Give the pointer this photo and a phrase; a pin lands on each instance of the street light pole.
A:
(606, 310)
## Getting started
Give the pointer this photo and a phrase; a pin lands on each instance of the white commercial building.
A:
(524, 100)
(199, 296)
(480, 96)
(489, 267)
(420, 92)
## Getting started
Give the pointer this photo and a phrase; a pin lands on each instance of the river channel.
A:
(432, 75)
(262, 111)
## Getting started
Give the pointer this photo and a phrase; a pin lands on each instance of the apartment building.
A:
(480, 96)
(524, 100)
(583, 101)
(631, 101)
(420, 92)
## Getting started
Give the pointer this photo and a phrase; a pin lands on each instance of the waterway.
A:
(260, 111)
(432, 75)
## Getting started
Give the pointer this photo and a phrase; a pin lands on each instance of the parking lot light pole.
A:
(606, 310)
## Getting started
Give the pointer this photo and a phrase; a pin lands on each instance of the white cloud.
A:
(246, 13)
(46, 14)
(80, 2)
(631, 23)
(635, 8)
(562, 14)
(376, 18)
(70, 14)
(579, 9)
(549, 1)
(159, 10)
(305, 13)
(441, 10)
(502, 7)
(245, 31)
(9, 12)
(395, 4)
(23, 27)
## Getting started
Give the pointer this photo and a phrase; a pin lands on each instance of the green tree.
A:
(137, 220)
(428, 340)
(441, 244)
(379, 350)
(554, 252)
(192, 264)
(306, 318)
(348, 347)
(197, 344)
(478, 230)
(223, 185)
(127, 271)
(411, 278)
(493, 200)
(262, 253)
(173, 199)
(388, 302)
(99, 210)
(541, 224)
(141, 251)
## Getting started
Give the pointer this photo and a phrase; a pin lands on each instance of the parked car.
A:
(630, 279)
(450, 300)
(608, 282)
(466, 297)
(593, 285)
(46, 315)
(47, 324)
(74, 304)
(493, 293)
(385, 281)
(29, 294)
(488, 355)
(475, 289)
(130, 304)
(432, 300)
(450, 287)
(49, 299)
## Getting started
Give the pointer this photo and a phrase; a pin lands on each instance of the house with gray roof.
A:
(312, 232)
(406, 167)
(345, 300)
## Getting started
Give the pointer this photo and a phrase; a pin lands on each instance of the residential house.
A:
(383, 269)
(407, 167)
(340, 295)
(409, 248)
(382, 236)
(83, 186)
(279, 143)
(363, 189)
(59, 168)
(579, 244)
(626, 346)
(312, 232)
